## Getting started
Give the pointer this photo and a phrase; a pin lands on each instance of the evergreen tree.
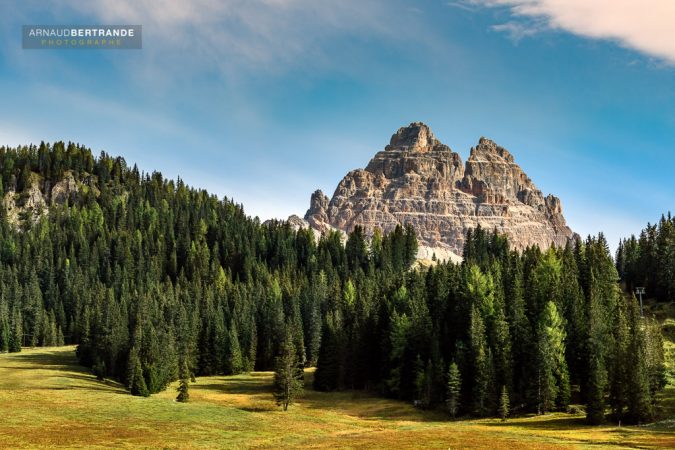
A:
(552, 376)
(233, 357)
(288, 376)
(136, 379)
(504, 404)
(638, 395)
(183, 384)
(453, 389)
(16, 330)
(481, 364)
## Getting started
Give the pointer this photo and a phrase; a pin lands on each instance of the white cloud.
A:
(258, 34)
(647, 26)
(517, 30)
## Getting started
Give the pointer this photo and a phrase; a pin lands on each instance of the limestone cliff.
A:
(419, 181)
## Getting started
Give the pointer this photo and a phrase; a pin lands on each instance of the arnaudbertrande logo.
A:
(82, 36)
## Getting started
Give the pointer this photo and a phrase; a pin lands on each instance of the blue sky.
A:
(266, 100)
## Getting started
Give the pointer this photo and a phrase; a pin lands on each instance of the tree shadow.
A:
(370, 406)
(550, 423)
(49, 358)
(65, 365)
(239, 386)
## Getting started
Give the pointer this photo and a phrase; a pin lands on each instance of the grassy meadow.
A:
(47, 400)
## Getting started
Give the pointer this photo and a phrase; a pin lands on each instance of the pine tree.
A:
(16, 331)
(656, 366)
(135, 377)
(453, 389)
(597, 383)
(183, 383)
(504, 404)
(552, 376)
(233, 359)
(637, 380)
(619, 357)
(288, 376)
(424, 383)
(329, 374)
(481, 364)
(5, 329)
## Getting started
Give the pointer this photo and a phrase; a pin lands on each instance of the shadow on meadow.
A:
(64, 364)
(49, 358)
(543, 422)
(239, 386)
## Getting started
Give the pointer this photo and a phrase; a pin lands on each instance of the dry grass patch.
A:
(47, 400)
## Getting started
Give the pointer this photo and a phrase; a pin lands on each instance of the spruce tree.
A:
(481, 364)
(16, 331)
(552, 377)
(637, 381)
(288, 376)
(453, 390)
(504, 404)
(135, 378)
(5, 329)
(183, 383)
(233, 358)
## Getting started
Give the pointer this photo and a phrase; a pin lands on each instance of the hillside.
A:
(47, 400)
(156, 282)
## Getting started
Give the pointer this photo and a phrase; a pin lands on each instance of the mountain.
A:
(417, 180)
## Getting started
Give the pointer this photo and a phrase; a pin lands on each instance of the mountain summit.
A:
(419, 181)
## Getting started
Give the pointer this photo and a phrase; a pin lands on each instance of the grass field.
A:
(47, 400)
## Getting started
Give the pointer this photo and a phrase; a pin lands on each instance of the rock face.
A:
(417, 180)
(35, 200)
(31, 204)
(64, 190)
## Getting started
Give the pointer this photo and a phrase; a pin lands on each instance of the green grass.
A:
(47, 400)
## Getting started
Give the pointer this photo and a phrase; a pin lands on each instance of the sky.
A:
(264, 101)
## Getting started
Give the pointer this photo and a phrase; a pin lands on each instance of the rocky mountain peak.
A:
(487, 148)
(419, 181)
(416, 137)
(316, 214)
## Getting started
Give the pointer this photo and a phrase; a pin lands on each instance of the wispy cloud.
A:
(645, 26)
(268, 35)
(462, 4)
(518, 30)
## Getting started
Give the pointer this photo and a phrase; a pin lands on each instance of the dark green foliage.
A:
(553, 387)
(233, 358)
(135, 377)
(453, 389)
(183, 383)
(649, 260)
(288, 375)
(504, 404)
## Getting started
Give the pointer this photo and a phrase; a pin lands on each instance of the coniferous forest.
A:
(156, 281)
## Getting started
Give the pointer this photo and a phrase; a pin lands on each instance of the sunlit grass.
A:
(47, 400)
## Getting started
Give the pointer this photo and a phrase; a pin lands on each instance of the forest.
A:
(156, 281)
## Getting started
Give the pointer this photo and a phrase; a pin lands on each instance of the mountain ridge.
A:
(418, 180)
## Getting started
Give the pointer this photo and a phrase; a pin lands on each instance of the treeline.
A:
(548, 329)
(649, 260)
(151, 278)
(156, 281)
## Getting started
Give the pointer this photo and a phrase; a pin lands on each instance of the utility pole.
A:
(639, 291)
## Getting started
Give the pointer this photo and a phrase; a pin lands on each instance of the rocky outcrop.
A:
(30, 204)
(419, 181)
(316, 215)
(64, 190)
(34, 201)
